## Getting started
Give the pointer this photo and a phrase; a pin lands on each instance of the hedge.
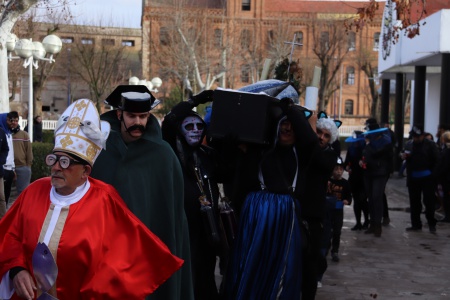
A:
(39, 169)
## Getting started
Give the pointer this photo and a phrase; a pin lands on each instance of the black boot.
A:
(370, 229)
(377, 230)
(358, 226)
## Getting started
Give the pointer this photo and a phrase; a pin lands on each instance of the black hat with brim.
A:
(132, 98)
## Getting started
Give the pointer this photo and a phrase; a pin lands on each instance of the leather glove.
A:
(285, 104)
(202, 98)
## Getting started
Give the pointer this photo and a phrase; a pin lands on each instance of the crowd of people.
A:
(134, 209)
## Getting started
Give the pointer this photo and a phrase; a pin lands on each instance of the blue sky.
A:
(120, 13)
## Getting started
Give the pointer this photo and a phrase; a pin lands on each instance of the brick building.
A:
(231, 40)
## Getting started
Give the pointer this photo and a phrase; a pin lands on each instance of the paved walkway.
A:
(399, 265)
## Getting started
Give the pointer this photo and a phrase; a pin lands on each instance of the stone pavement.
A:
(399, 265)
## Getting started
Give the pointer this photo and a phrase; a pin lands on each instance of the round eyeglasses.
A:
(64, 161)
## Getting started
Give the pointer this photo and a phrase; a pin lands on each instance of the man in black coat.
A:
(421, 165)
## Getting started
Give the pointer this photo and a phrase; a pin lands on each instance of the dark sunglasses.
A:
(322, 114)
(64, 161)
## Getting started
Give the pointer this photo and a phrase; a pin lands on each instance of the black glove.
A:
(202, 98)
(285, 104)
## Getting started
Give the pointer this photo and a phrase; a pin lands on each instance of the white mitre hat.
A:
(80, 132)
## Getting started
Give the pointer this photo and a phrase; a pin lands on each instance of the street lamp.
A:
(31, 52)
(152, 85)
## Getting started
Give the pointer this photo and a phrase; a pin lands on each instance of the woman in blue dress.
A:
(267, 254)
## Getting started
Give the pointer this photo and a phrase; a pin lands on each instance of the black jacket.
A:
(4, 149)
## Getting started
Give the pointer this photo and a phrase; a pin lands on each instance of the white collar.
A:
(60, 200)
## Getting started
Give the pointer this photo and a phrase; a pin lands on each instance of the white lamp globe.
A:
(157, 82)
(149, 85)
(39, 51)
(133, 80)
(11, 42)
(24, 48)
(52, 44)
(142, 82)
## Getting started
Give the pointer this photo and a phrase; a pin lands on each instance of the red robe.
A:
(104, 251)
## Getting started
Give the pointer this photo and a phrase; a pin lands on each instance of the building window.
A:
(350, 75)
(87, 41)
(245, 73)
(128, 43)
(246, 38)
(108, 42)
(67, 40)
(270, 39)
(218, 33)
(246, 4)
(164, 36)
(349, 107)
(351, 41)
(325, 40)
(376, 41)
(299, 37)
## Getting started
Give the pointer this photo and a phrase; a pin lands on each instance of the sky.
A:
(116, 13)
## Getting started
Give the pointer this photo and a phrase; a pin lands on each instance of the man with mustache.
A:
(147, 174)
(70, 236)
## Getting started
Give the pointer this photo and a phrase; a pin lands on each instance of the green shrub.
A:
(47, 136)
(39, 169)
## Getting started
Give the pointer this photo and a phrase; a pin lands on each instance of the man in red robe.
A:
(70, 236)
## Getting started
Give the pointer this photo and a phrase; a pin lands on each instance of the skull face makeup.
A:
(192, 129)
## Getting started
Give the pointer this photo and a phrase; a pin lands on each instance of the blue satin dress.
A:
(266, 260)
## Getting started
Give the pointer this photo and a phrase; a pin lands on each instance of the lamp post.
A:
(31, 52)
(152, 85)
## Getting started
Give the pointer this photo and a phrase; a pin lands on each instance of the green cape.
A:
(148, 177)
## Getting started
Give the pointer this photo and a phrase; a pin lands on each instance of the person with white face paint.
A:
(184, 130)
(192, 128)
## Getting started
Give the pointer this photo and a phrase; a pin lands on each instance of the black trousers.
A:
(416, 188)
(313, 262)
(8, 177)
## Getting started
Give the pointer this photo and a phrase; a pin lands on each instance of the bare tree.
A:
(10, 12)
(367, 63)
(101, 66)
(330, 45)
(187, 49)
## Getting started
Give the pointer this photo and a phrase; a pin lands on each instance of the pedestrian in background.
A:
(376, 162)
(338, 195)
(421, 166)
(37, 129)
(443, 175)
(313, 210)
(356, 179)
(9, 173)
(23, 153)
(4, 149)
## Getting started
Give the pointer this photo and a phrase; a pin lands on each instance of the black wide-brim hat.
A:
(132, 98)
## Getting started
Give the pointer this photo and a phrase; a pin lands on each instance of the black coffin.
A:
(251, 118)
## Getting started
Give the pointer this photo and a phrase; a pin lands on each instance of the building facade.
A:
(229, 41)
